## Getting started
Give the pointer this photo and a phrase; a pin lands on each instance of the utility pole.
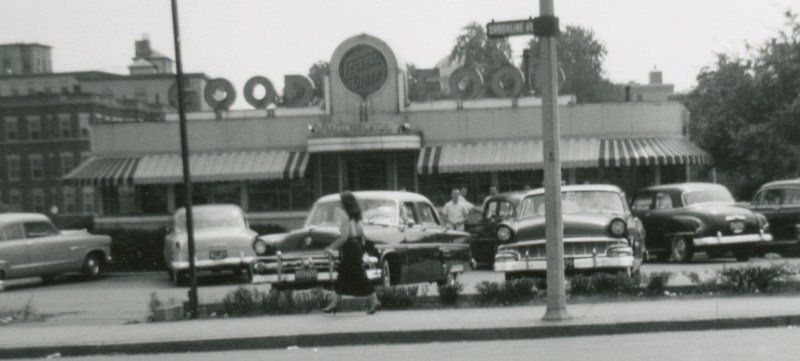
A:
(546, 28)
(187, 179)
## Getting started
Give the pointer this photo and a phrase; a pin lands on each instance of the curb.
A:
(401, 337)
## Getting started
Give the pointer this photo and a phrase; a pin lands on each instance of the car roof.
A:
(517, 195)
(685, 187)
(7, 218)
(211, 206)
(394, 195)
(782, 183)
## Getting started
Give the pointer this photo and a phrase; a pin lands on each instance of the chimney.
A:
(655, 77)
(143, 48)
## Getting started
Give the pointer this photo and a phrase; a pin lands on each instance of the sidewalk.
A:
(355, 328)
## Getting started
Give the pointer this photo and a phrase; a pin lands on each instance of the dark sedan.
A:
(779, 201)
(413, 245)
(681, 219)
(600, 233)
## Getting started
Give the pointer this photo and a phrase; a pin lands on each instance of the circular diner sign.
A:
(363, 70)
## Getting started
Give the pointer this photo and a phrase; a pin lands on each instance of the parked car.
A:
(494, 227)
(600, 233)
(223, 241)
(405, 227)
(779, 201)
(30, 245)
(681, 219)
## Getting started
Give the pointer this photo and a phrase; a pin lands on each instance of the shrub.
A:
(242, 301)
(507, 292)
(397, 297)
(607, 283)
(754, 278)
(448, 293)
(580, 285)
(308, 300)
(656, 283)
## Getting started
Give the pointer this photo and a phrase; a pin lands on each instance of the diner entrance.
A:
(375, 170)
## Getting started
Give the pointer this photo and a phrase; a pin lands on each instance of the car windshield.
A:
(577, 202)
(330, 213)
(210, 218)
(720, 195)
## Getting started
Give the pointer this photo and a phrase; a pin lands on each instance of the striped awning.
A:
(222, 166)
(575, 153)
(104, 172)
(650, 151)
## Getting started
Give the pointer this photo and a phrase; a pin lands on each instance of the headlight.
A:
(260, 247)
(618, 227)
(503, 234)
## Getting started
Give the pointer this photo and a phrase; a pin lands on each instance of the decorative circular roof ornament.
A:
(363, 70)
(270, 95)
(466, 83)
(507, 81)
(219, 94)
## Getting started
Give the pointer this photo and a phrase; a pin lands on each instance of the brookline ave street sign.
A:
(503, 29)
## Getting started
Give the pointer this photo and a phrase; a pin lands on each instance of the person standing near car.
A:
(455, 211)
(352, 279)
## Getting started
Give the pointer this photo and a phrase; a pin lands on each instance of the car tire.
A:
(91, 267)
(682, 249)
(742, 256)
(387, 275)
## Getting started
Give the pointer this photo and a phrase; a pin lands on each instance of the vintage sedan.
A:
(600, 233)
(223, 241)
(684, 218)
(413, 246)
(30, 245)
(779, 201)
(494, 227)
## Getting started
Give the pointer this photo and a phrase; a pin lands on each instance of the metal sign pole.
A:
(187, 179)
(546, 27)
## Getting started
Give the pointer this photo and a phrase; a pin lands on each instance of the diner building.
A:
(275, 162)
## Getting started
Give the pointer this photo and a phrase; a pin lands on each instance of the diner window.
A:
(12, 129)
(37, 167)
(67, 163)
(69, 199)
(34, 128)
(210, 193)
(13, 168)
(277, 195)
(153, 199)
(88, 199)
(38, 200)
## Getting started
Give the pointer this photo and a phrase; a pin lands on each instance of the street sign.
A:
(503, 29)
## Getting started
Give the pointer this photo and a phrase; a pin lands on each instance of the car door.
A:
(414, 247)
(768, 202)
(49, 252)
(14, 251)
(790, 213)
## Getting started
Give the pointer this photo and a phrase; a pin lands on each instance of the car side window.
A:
(506, 210)
(427, 216)
(771, 197)
(409, 214)
(643, 202)
(11, 232)
(528, 208)
(491, 207)
(39, 229)
(791, 197)
(663, 201)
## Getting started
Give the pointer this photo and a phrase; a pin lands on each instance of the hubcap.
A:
(387, 281)
(679, 249)
(92, 267)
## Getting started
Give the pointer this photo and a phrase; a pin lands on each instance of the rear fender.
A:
(682, 226)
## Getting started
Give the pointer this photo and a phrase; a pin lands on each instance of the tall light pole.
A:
(546, 28)
(187, 179)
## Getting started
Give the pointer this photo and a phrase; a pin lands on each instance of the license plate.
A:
(569, 263)
(305, 274)
(218, 255)
(737, 226)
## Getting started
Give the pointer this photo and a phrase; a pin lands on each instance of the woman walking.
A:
(352, 279)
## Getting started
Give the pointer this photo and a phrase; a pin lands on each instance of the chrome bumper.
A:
(372, 275)
(230, 262)
(719, 239)
(583, 263)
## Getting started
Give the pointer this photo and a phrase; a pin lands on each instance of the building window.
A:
(153, 199)
(37, 166)
(69, 199)
(84, 124)
(12, 129)
(15, 200)
(66, 126)
(35, 128)
(67, 163)
(12, 165)
(38, 200)
(88, 199)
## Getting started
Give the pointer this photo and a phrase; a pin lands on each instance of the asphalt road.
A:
(122, 298)
(775, 344)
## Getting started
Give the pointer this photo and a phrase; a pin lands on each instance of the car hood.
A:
(318, 237)
(575, 225)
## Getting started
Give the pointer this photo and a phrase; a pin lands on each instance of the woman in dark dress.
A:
(352, 279)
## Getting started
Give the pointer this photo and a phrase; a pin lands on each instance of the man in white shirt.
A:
(455, 211)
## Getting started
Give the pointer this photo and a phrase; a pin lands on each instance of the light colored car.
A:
(30, 246)
(600, 232)
(411, 243)
(223, 241)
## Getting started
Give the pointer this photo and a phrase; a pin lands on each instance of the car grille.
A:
(571, 249)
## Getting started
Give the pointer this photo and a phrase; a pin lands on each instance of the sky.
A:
(237, 39)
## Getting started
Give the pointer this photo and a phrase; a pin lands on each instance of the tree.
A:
(745, 112)
(474, 48)
(317, 73)
(580, 55)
